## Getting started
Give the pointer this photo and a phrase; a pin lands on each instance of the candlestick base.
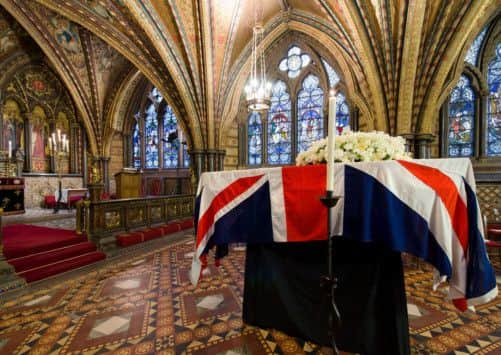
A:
(329, 282)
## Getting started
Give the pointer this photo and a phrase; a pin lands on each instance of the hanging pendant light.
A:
(258, 90)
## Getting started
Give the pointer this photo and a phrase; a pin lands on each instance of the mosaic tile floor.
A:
(145, 304)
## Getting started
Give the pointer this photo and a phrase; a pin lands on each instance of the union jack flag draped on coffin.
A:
(427, 208)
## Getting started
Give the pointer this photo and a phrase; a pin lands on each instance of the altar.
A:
(70, 196)
(426, 208)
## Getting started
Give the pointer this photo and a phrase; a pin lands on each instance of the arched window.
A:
(171, 141)
(461, 119)
(294, 62)
(342, 112)
(162, 137)
(471, 123)
(309, 113)
(279, 125)
(493, 145)
(474, 50)
(295, 118)
(136, 146)
(151, 134)
(255, 146)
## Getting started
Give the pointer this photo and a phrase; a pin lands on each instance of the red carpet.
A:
(39, 252)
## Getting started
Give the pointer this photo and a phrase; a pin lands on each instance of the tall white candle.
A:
(331, 140)
(59, 135)
(50, 145)
(10, 149)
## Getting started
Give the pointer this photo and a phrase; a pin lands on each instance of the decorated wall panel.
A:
(36, 105)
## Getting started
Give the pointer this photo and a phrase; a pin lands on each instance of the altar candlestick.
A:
(50, 145)
(10, 149)
(331, 140)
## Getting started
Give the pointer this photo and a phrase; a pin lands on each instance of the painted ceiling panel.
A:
(184, 12)
(313, 7)
(382, 42)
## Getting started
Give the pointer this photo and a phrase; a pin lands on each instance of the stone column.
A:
(423, 145)
(355, 114)
(52, 158)
(198, 161)
(220, 159)
(409, 143)
(27, 143)
(103, 164)
(106, 172)
(480, 126)
(242, 146)
(73, 148)
(85, 173)
(211, 160)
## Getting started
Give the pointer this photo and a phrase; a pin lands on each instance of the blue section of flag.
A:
(248, 222)
(372, 213)
(480, 275)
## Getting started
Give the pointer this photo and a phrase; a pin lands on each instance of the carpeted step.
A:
(62, 266)
(22, 239)
(48, 257)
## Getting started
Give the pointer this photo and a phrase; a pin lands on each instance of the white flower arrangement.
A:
(355, 147)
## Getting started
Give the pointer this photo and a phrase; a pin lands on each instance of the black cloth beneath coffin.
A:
(282, 291)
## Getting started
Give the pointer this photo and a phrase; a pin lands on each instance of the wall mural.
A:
(13, 126)
(39, 133)
(66, 34)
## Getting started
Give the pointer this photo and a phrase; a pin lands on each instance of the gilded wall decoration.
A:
(39, 134)
(12, 126)
(8, 38)
(35, 95)
(112, 219)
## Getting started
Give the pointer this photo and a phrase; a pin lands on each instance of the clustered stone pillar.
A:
(220, 159)
(206, 160)
(74, 148)
(85, 175)
(211, 160)
(419, 144)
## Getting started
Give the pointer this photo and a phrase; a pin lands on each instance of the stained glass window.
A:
(294, 62)
(151, 135)
(279, 125)
(342, 112)
(155, 96)
(310, 120)
(255, 146)
(331, 74)
(461, 119)
(472, 54)
(136, 147)
(186, 156)
(171, 141)
(493, 146)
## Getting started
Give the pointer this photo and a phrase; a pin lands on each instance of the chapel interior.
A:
(111, 111)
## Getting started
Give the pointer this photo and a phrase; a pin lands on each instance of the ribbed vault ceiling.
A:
(396, 56)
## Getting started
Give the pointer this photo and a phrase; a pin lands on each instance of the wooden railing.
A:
(102, 220)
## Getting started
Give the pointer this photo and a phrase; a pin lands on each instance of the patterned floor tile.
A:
(144, 304)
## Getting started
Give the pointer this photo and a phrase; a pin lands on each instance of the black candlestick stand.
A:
(329, 281)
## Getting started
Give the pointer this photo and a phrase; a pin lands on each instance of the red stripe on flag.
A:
(232, 191)
(306, 216)
(448, 193)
